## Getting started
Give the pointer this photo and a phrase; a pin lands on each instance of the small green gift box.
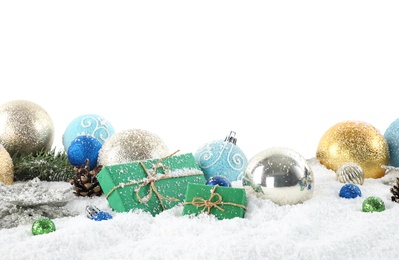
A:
(223, 202)
(151, 185)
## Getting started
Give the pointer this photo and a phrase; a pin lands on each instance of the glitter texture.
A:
(6, 167)
(102, 215)
(373, 204)
(25, 127)
(218, 180)
(392, 136)
(350, 173)
(88, 124)
(84, 147)
(350, 191)
(357, 142)
(221, 158)
(130, 146)
(43, 226)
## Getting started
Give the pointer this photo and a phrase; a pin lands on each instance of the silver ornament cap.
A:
(231, 138)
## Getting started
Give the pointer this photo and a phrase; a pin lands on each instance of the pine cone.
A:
(86, 182)
(395, 191)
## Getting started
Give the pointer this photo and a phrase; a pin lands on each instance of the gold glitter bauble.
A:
(357, 142)
(131, 145)
(25, 127)
(6, 167)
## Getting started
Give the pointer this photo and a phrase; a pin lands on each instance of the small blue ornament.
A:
(82, 148)
(92, 212)
(222, 158)
(88, 124)
(392, 136)
(350, 191)
(102, 215)
(218, 180)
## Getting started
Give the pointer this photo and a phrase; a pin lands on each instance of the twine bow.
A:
(209, 204)
(152, 178)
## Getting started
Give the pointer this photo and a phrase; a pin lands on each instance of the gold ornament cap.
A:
(357, 142)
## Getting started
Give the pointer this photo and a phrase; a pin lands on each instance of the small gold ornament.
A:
(25, 127)
(6, 167)
(357, 142)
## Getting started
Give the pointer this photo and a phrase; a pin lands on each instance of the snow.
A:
(279, 73)
(324, 227)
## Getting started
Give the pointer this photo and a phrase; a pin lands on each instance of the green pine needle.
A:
(46, 165)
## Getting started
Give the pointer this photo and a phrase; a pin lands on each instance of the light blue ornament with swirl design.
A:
(222, 158)
(88, 124)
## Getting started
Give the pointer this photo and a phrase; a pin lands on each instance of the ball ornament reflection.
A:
(281, 175)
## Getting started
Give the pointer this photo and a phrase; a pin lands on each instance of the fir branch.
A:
(45, 165)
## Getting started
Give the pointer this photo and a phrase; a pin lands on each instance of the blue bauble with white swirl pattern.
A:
(88, 124)
(222, 158)
(392, 136)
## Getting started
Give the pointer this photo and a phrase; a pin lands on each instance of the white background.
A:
(279, 73)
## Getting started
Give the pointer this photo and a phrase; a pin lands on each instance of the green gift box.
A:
(151, 185)
(223, 202)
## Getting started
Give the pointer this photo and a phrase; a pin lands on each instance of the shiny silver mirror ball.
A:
(281, 175)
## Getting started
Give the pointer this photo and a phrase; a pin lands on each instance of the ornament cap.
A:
(91, 211)
(231, 137)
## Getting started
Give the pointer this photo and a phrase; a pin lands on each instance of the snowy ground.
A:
(324, 227)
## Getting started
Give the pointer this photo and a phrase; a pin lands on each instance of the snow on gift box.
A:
(222, 202)
(150, 185)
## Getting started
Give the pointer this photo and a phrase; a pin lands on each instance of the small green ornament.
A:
(43, 226)
(372, 204)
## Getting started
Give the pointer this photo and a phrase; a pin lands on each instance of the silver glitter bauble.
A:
(130, 146)
(25, 127)
(350, 173)
(281, 175)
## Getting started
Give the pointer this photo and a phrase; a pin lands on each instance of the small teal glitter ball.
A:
(392, 136)
(350, 191)
(88, 124)
(222, 158)
(84, 147)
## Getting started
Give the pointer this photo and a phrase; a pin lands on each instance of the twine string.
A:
(209, 204)
(151, 179)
